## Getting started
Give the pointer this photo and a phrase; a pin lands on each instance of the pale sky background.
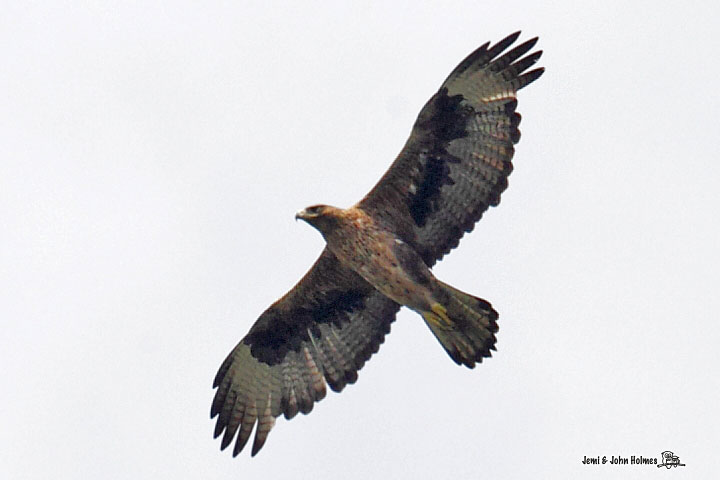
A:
(152, 159)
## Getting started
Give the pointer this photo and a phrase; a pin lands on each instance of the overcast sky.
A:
(152, 158)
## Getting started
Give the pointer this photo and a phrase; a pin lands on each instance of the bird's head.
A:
(322, 217)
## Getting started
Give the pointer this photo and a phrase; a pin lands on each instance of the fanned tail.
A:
(464, 325)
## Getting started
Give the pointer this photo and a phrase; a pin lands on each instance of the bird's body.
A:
(372, 250)
(380, 252)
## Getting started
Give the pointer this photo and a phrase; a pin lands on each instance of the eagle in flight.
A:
(379, 254)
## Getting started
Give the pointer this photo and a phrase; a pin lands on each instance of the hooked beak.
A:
(300, 215)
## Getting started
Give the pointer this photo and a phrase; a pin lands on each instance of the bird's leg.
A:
(438, 317)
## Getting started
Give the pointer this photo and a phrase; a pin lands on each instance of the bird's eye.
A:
(316, 209)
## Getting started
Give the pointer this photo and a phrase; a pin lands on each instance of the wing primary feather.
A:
(520, 66)
(221, 394)
(509, 57)
(499, 47)
(246, 426)
(223, 369)
(527, 78)
(265, 424)
(226, 412)
(469, 60)
(232, 426)
(216, 405)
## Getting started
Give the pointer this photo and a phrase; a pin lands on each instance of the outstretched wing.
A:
(322, 330)
(458, 157)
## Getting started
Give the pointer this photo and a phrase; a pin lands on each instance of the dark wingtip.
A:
(219, 427)
(227, 440)
(537, 73)
(337, 385)
(217, 405)
(306, 407)
(290, 411)
(533, 75)
(499, 47)
(527, 78)
(455, 356)
(524, 47)
(240, 444)
(510, 39)
(351, 376)
(257, 445)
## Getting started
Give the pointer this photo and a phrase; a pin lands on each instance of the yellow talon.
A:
(438, 317)
(442, 313)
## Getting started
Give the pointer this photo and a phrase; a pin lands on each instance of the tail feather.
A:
(464, 325)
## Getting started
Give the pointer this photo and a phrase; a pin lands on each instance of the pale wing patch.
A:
(504, 95)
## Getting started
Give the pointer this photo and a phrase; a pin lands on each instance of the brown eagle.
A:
(379, 253)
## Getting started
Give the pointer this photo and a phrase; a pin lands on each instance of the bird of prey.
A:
(379, 253)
